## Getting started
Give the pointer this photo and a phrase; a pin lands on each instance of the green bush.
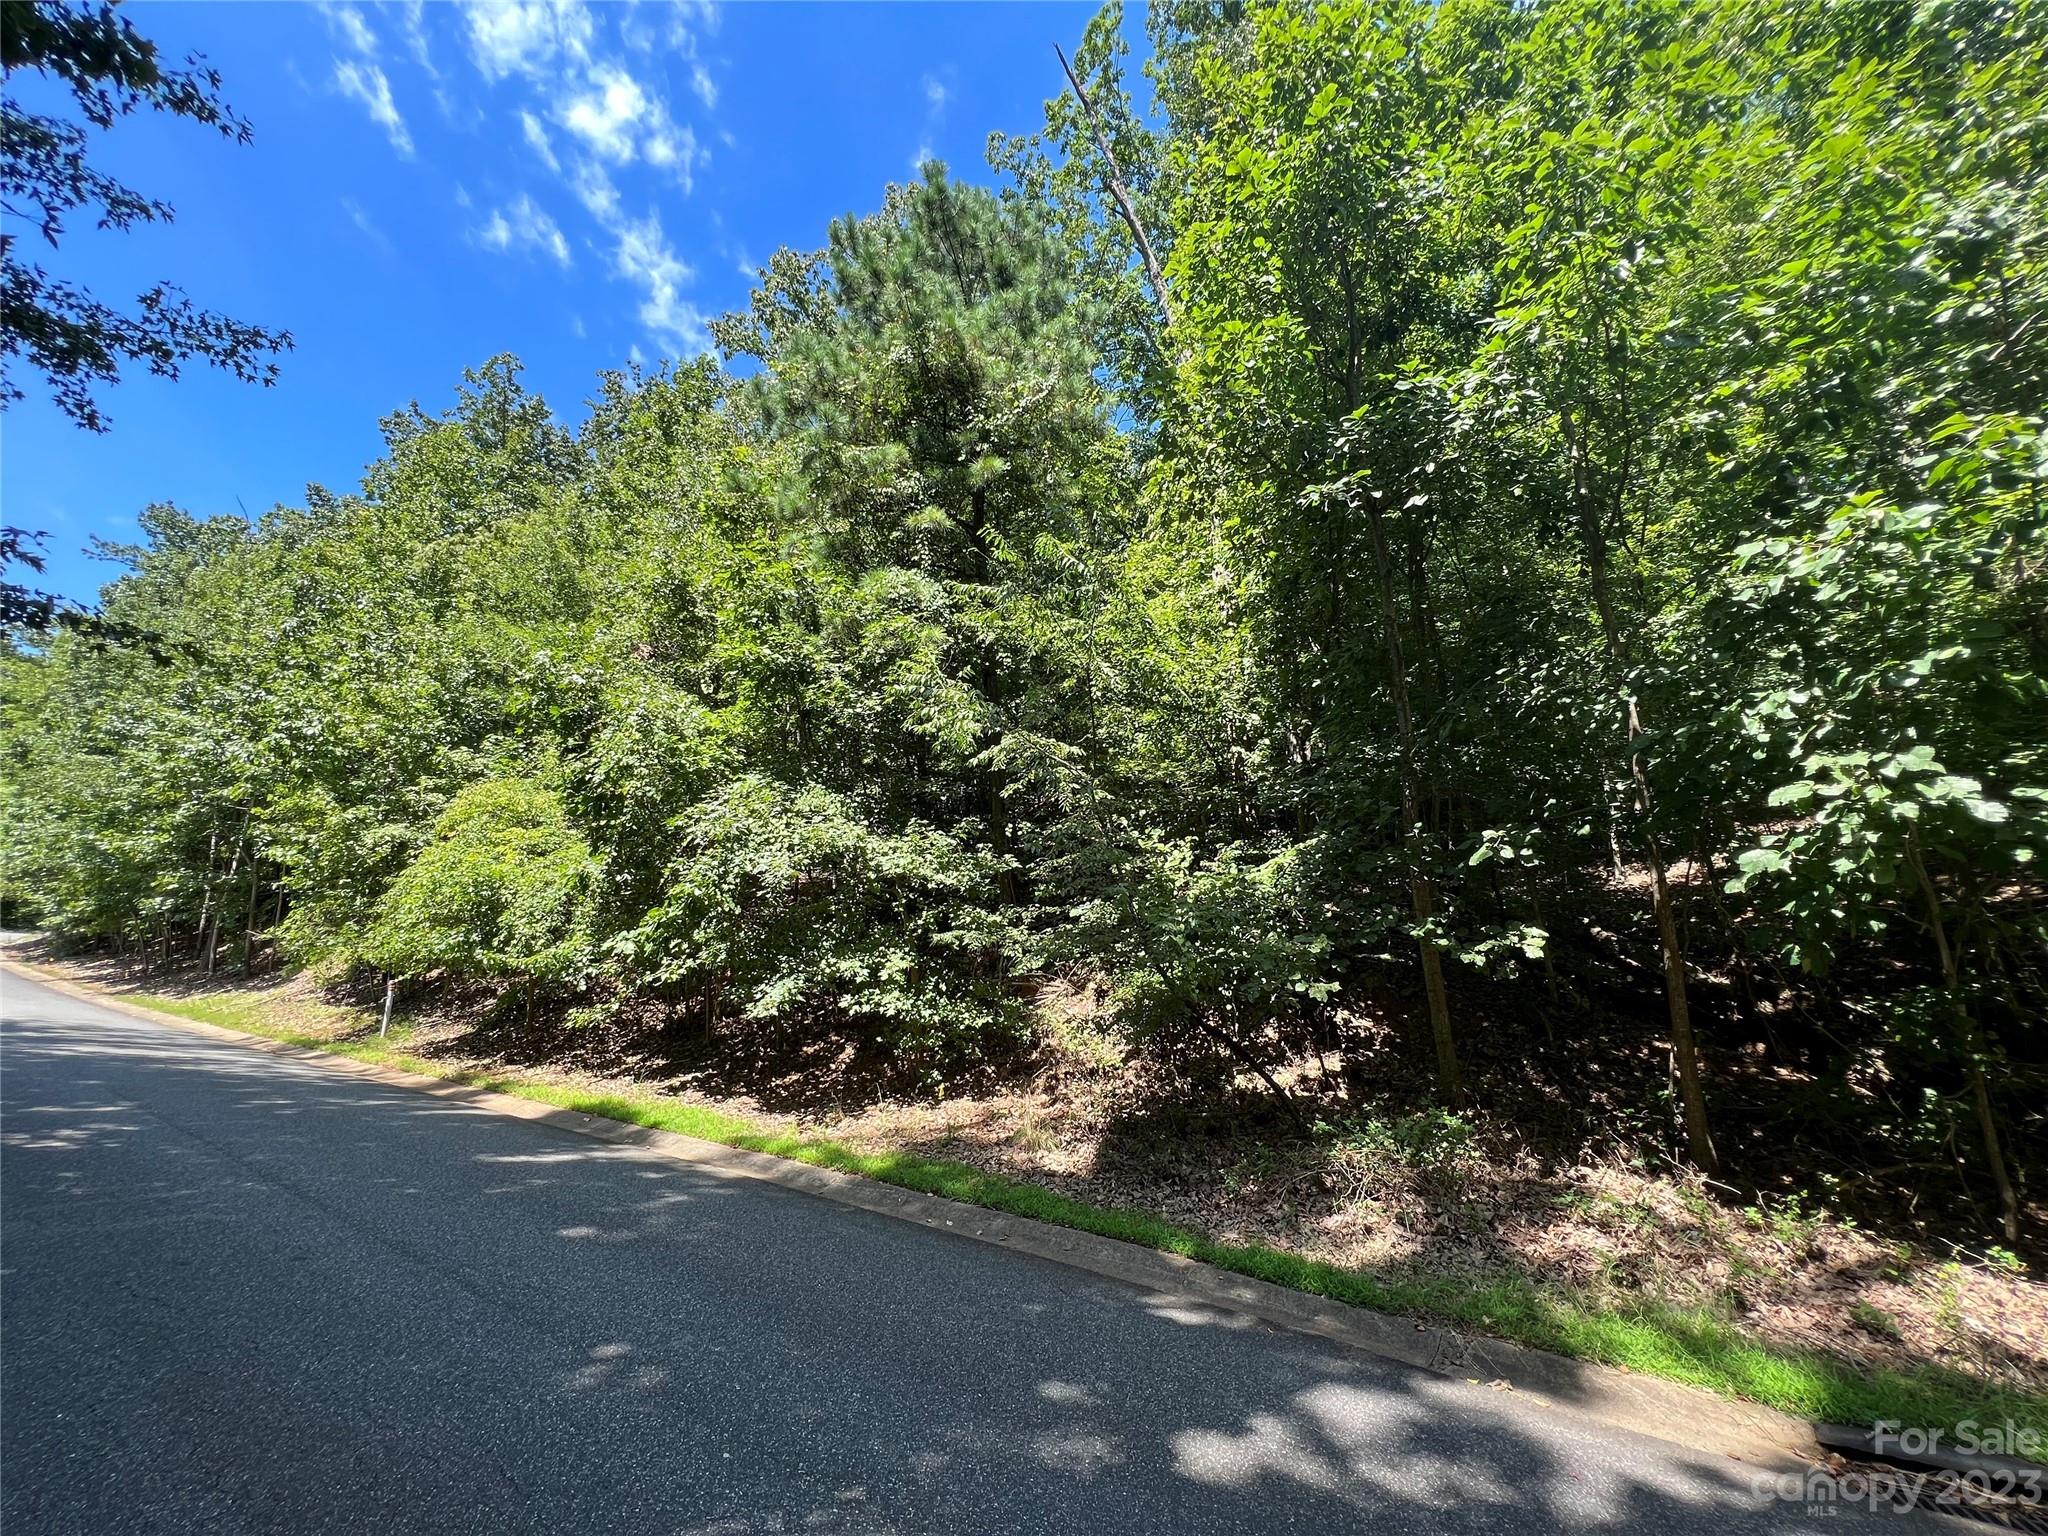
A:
(787, 903)
(1210, 958)
(501, 890)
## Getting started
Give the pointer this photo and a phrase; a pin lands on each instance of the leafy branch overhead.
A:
(79, 343)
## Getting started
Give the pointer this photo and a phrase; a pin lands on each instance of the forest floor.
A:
(1425, 1203)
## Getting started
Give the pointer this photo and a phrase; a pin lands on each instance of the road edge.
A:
(1662, 1410)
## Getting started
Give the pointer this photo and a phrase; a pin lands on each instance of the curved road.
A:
(244, 1293)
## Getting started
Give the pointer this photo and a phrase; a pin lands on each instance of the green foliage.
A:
(500, 890)
(1575, 518)
(1875, 1319)
(1904, 659)
(1434, 1148)
(75, 341)
(1228, 952)
(786, 905)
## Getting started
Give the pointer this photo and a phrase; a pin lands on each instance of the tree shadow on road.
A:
(723, 1355)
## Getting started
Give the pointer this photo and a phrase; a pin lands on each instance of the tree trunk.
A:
(988, 678)
(1549, 966)
(1113, 176)
(234, 863)
(1738, 954)
(1685, 1066)
(1973, 1049)
(1421, 890)
(1684, 1069)
(249, 922)
(206, 896)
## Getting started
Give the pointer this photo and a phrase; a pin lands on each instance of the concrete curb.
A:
(1646, 1405)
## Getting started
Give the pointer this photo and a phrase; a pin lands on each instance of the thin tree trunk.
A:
(1685, 1066)
(1549, 966)
(1685, 1069)
(276, 921)
(234, 864)
(249, 924)
(1119, 194)
(988, 678)
(206, 896)
(1738, 955)
(1421, 889)
(1966, 1033)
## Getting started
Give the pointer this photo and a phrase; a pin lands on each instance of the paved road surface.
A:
(242, 1293)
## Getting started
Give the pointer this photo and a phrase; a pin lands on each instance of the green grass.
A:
(1693, 1347)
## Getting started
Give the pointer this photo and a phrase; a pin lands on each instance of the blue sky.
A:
(432, 184)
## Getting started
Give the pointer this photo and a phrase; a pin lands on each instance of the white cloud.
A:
(675, 150)
(346, 22)
(936, 94)
(595, 191)
(525, 225)
(608, 113)
(416, 35)
(644, 256)
(360, 217)
(591, 112)
(366, 83)
(457, 112)
(556, 246)
(527, 37)
(638, 32)
(537, 137)
(619, 120)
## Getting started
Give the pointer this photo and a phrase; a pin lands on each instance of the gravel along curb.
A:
(1665, 1410)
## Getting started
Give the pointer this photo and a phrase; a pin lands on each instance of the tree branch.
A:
(1119, 193)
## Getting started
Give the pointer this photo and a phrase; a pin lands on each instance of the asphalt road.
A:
(244, 1293)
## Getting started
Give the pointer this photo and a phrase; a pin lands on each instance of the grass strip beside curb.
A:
(1691, 1347)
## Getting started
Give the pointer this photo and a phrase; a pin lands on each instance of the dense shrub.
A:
(499, 890)
(788, 904)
